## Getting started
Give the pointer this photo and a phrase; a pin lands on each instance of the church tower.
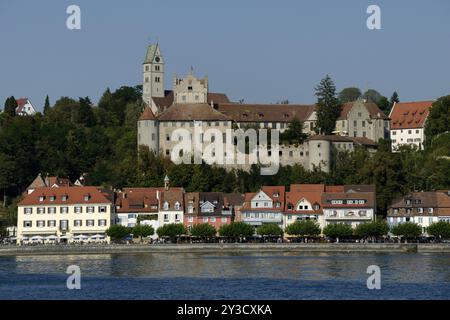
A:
(153, 72)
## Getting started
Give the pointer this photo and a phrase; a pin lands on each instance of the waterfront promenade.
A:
(225, 248)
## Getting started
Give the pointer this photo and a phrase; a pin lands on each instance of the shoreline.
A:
(229, 248)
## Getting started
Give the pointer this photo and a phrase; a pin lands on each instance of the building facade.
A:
(408, 121)
(423, 208)
(65, 214)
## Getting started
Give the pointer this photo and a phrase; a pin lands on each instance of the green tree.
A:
(349, 94)
(438, 120)
(203, 230)
(83, 113)
(46, 105)
(10, 106)
(328, 108)
(142, 231)
(269, 229)
(338, 231)
(303, 228)
(439, 230)
(118, 232)
(7, 169)
(407, 230)
(372, 229)
(394, 99)
(236, 230)
(294, 133)
(172, 230)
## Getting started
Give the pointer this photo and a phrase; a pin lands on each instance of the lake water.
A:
(227, 276)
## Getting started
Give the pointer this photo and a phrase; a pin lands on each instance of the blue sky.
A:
(260, 51)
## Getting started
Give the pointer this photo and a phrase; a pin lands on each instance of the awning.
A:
(98, 236)
(37, 238)
(52, 237)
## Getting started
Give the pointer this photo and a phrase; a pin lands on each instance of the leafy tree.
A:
(303, 228)
(46, 105)
(118, 232)
(269, 229)
(83, 114)
(10, 106)
(349, 94)
(328, 108)
(236, 229)
(142, 231)
(374, 96)
(172, 230)
(438, 120)
(294, 133)
(203, 230)
(338, 230)
(439, 230)
(407, 230)
(7, 169)
(372, 229)
(394, 99)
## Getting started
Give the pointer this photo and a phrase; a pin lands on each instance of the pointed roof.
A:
(38, 182)
(147, 114)
(151, 51)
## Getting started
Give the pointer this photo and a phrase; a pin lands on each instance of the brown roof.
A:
(266, 112)
(406, 115)
(234, 199)
(75, 195)
(167, 100)
(147, 114)
(374, 111)
(192, 111)
(191, 198)
(172, 196)
(142, 200)
(438, 200)
(368, 196)
(269, 191)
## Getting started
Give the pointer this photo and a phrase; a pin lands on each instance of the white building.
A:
(408, 121)
(25, 107)
(65, 214)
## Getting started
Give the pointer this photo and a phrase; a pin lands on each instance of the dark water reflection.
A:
(196, 276)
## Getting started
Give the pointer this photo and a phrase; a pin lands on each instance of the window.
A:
(420, 220)
(78, 223)
(394, 133)
(409, 131)
(224, 220)
(27, 224)
(52, 198)
(205, 219)
(363, 124)
(420, 210)
(64, 224)
(40, 210)
(64, 210)
(51, 223)
(177, 217)
(102, 209)
(355, 123)
(40, 223)
(78, 210)
(86, 197)
(102, 223)
(28, 210)
(90, 209)
(64, 198)
(417, 131)
(430, 210)
(41, 198)
(191, 219)
(213, 219)
(166, 217)
(289, 216)
(52, 210)
(166, 205)
(156, 68)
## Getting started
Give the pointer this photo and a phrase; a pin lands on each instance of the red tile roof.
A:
(140, 200)
(75, 195)
(410, 115)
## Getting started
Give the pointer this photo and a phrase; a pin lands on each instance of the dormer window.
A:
(277, 204)
(166, 206)
(177, 206)
(87, 197)
(41, 198)
(52, 198)
(261, 115)
(64, 197)
(276, 195)
(290, 206)
(316, 207)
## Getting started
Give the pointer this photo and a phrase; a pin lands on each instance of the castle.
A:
(190, 106)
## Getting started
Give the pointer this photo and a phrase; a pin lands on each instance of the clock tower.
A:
(153, 73)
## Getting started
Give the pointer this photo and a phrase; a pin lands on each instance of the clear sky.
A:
(260, 51)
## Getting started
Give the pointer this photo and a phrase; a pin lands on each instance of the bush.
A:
(439, 230)
(118, 232)
(304, 228)
(269, 229)
(172, 230)
(372, 229)
(203, 230)
(407, 230)
(236, 229)
(338, 230)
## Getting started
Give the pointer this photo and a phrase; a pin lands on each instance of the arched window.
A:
(177, 206)
(166, 206)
